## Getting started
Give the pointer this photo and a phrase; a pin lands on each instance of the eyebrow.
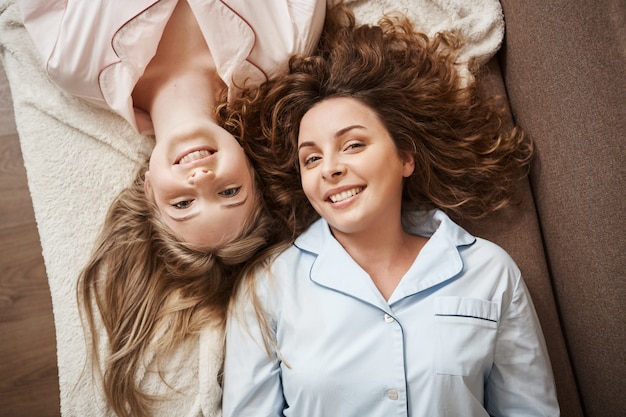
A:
(237, 204)
(183, 218)
(338, 134)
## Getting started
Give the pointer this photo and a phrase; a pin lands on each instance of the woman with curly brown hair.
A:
(384, 306)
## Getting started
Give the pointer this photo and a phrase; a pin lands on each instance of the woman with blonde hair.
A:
(383, 305)
(172, 243)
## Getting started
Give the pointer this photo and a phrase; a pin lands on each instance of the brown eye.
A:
(311, 159)
(354, 145)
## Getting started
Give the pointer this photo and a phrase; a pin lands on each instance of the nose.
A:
(332, 169)
(200, 175)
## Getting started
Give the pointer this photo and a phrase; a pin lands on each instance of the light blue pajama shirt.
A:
(458, 337)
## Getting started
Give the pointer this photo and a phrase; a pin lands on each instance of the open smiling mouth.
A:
(195, 155)
(336, 198)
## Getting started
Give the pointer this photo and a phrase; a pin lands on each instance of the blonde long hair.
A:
(141, 279)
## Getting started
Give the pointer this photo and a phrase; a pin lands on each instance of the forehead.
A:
(334, 116)
(335, 107)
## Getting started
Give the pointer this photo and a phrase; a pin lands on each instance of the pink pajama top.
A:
(98, 49)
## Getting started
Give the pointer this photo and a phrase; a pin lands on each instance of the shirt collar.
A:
(438, 261)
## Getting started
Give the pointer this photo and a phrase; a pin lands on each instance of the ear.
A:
(408, 164)
(147, 186)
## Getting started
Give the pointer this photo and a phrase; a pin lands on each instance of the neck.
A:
(181, 80)
(385, 254)
(379, 247)
(183, 97)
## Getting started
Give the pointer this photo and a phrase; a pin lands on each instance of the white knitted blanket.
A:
(78, 157)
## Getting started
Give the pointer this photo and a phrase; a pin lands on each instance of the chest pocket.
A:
(465, 338)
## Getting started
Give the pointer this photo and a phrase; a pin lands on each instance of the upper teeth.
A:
(192, 156)
(345, 194)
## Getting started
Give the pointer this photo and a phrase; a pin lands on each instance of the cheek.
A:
(238, 156)
(158, 184)
(308, 184)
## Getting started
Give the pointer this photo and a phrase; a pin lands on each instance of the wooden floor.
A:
(28, 371)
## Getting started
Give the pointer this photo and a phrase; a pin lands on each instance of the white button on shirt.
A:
(392, 394)
(459, 335)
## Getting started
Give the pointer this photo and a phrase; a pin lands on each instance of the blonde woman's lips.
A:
(195, 154)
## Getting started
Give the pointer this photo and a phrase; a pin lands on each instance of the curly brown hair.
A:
(467, 162)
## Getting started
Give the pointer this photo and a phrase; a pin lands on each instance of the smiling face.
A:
(202, 184)
(351, 170)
